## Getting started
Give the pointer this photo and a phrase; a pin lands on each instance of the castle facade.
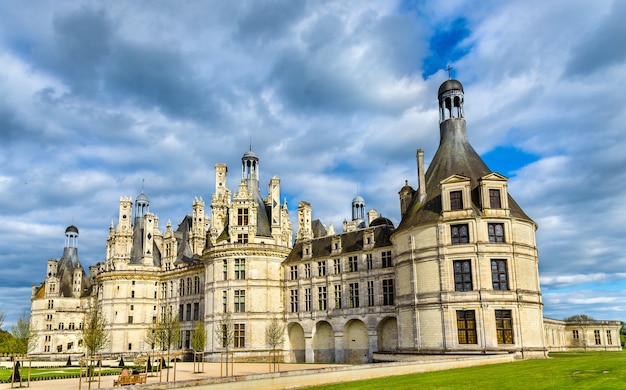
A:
(458, 275)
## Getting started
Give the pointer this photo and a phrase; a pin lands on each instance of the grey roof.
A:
(65, 272)
(319, 230)
(71, 228)
(350, 242)
(455, 156)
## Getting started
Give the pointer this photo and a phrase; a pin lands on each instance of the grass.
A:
(52, 373)
(565, 370)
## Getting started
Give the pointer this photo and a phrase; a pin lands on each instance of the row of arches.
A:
(352, 343)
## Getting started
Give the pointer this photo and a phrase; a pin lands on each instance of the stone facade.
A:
(458, 275)
(582, 335)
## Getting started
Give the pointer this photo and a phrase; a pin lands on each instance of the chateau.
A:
(458, 275)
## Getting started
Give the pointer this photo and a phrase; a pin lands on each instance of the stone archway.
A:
(388, 335)
(323, 343)
(355, 342)
(296, 343)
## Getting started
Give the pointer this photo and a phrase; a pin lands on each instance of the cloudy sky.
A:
(334, 96)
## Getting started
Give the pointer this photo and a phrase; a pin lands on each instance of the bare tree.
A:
(579, 318)
(274, 337)
(225, 331)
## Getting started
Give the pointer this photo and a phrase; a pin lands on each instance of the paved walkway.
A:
(184, 372)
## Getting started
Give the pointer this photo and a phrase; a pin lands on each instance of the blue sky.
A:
(335, 96)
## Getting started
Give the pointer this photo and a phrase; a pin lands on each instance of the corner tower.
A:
(467, 265)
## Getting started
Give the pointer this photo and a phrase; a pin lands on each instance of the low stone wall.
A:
(339, 374)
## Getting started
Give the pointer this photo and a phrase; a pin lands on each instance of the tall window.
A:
(609, 339)
(196, 311)
(369, 262)
(504, 327)
(387, 291)
(163, 290)
(189, 286)
(496, 232)
(293, 272)
(462, 275)
(240, 268)
(307, 299)
(370, 293)
(321, 268)
(242, 217)
(239, 336)
(293, 297)
(386, 257)
(353, 288)
(494, 199)
(307, 271)
(181, 287)
(456, 200)
(499, 278)
(181, 312)
(240, 301)
(322, 297)
(225, 300)
(459, 234)
(337, 296)
(353, 264)
(50, 304)
(188, 317)
(596, 335)
(225, 269)
(466, 326)
(575, 334)
(337, 266)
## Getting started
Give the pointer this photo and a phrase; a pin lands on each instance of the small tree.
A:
(225, 332)
(579, 318)
(168, 333)
(198, 341)
(151, 338)
(274, 337)
(95, 336)
(22, 335)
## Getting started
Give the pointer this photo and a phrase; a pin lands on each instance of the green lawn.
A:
(51, 373)
(566, 370)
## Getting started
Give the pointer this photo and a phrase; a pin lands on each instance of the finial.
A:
(449, 69)
(142, 183)
(250, 143)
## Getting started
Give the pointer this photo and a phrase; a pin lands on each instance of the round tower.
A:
(358, 211)
(142, 205)
(250, 166)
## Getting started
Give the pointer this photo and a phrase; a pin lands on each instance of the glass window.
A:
(240, 268)
(466, 326)
(240, 301)
(353, 289)
(499, 278)
(496, 232)
(321, 268)
(369, 261)
(293, 272)
(307, 270)
(504, 327)
(462, 275)
(456, 200)
(337, 296)
(459, 233)
(353, 264)
(242, 217)
(294, 300)
(370, 293)
(337, 266)
(596, 335)
(386, 257)
(494, 199)
(388, 292)
(322, 297)
(307, 299)
(239, 336)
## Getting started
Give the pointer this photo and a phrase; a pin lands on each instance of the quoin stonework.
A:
(458, 275)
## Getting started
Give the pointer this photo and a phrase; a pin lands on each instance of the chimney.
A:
(421, 178)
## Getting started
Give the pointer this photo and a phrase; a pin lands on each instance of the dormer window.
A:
(456, 200)
(242, 217)
(494, 199)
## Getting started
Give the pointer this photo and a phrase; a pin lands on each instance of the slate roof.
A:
(350, 242)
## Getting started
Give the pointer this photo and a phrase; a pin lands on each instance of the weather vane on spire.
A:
(449, 69)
